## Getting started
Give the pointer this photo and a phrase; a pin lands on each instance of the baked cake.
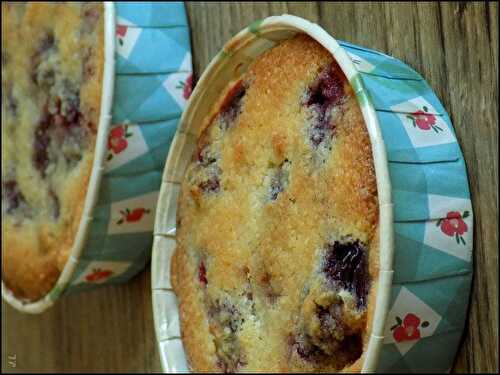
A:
(52, 64)
(277, 254)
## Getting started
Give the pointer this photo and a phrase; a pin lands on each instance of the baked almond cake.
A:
(52, 64)
(277, 224)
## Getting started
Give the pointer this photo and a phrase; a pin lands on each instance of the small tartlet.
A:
(277, 222)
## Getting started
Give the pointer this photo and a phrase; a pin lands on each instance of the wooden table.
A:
(454, 46)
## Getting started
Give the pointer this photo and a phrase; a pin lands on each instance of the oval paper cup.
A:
(425, 212)
(147, 70)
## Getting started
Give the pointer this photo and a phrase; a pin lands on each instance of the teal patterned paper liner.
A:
(376, 63)
(148, 64)
(149, 101)
(423, 195)
(152, 84)
(166, 58)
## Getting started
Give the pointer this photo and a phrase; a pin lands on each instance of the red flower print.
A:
(202, 274)
(454, 225)
(98, 275)
(132, 216)
(424, 121)
(117, 141)
(121, 30)
(408, 328)
(187, 87)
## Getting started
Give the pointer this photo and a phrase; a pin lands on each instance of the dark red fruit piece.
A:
(309, 352)
(231, 107)
(211, 185)
(202, 274)
(62, 123)
(322, 96)
(229, 110)
(230, 367)
(345, 265)
(353, 346)
(71, 112)
(41, 144)
(208, 162)
(226, 314)
(328, 90)
(88, 68)
(11, 195)
(204, 157)
(225, 322)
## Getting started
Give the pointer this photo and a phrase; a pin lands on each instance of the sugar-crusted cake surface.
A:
(52, 63)
(277, 223)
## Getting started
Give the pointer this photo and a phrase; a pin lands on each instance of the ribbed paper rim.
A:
(95, 177)
(386, 246)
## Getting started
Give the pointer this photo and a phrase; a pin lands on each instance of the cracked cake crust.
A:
(276, 264)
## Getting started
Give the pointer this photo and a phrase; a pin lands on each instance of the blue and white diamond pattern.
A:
(127, 35)
(437, 135)
(141, 221)
(361, 64)
(408, 303)
(136, 146)
(439, 206)
(175, 82)
(109, 269)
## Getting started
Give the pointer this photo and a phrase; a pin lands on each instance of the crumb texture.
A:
(277, 223)
(52, 62)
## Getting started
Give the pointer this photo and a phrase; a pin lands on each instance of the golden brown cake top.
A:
(276, 262)
(52, 64)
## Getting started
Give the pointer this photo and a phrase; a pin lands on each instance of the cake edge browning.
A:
(197, 341)
(195, 330)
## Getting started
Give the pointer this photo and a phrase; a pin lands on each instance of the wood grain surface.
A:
(453, 45)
